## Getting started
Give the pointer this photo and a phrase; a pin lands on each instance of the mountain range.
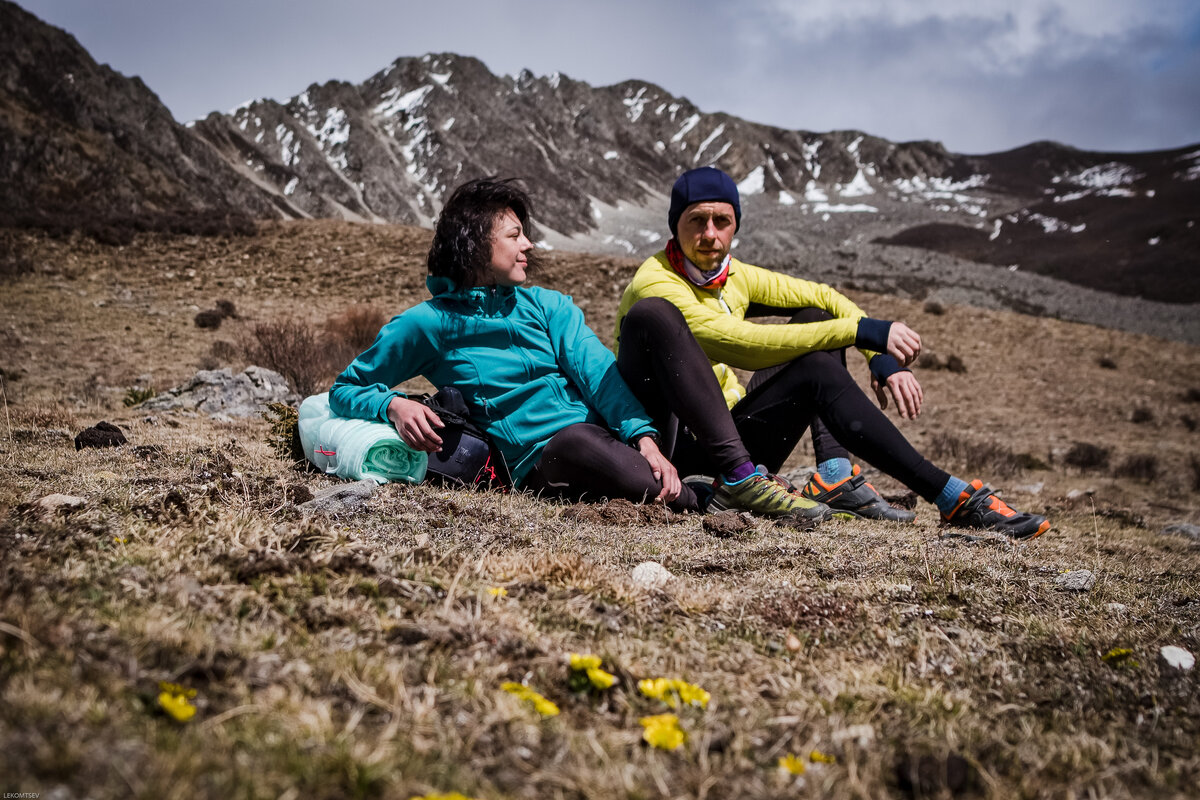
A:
(78, 139)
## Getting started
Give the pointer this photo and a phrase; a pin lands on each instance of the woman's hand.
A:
(906, 392)
(415, 423)
(664, 470)
(903, 343)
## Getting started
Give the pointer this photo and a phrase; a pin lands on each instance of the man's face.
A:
(705, 232)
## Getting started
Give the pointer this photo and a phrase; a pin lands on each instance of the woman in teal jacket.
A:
(537, 380)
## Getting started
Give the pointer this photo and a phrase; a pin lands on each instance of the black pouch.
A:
(467, 457)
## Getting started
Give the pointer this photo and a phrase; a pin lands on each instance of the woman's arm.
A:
(592, 367)
(402, 350)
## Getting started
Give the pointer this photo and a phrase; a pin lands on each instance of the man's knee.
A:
(651, 313)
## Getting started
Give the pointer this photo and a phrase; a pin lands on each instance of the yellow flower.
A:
(120, 539)
(662, 731)
(589, 665)
(1116, 655)
(580, 663)
(600, 679)
(440, 796)
(672, 690)
(817, 757)
(174, 700)
(793, 764)
(498, 591)
(540, 704)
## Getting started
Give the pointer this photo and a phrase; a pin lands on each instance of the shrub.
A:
(136, 395)
(226, 309)
(1188, 422)
(356, 327)
(1106, 363)
(284, 435)
(1192, 395)
(934, 307)
(986, 457)
(1142, 467)
(1087, 456)
(1194, 467)
(210, 318)
(1140, 415)
(223, 351)
(295, 350)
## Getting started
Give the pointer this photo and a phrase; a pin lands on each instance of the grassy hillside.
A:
(362, 654)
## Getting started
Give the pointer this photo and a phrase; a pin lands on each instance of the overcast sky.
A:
(977, 75)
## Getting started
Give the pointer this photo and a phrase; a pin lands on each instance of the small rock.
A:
(1177, 658)
(1079, 580)
(1116, 608)
(1075, 494)
(342, 496)
(652, 575)
(102, 434)
(862, 735)
(1031, 488)
(793, 642)
(60, 503)
(1183, 529)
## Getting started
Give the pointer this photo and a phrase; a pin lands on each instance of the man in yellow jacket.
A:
(801, 380)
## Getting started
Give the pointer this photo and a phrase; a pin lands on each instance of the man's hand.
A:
(415, 423)
(664, 470)
(906, 392)
(903, 343)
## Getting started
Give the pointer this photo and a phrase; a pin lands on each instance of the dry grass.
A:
(361, 655)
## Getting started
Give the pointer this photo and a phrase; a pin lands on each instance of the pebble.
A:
(1079, 580)
(1116, 608)
(1183, 529)
(652, 575)
(1075, 494)
(63, 503)
(1177, 658)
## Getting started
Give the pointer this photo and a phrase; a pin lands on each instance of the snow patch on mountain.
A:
(754, 183)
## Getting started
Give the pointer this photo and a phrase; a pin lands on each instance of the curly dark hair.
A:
(462, 240)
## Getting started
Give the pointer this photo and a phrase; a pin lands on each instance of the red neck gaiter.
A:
(712, 280)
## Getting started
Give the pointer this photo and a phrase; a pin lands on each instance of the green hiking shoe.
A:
(760, 494)
(855, 497)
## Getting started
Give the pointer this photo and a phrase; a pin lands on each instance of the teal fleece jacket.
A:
(524, 359)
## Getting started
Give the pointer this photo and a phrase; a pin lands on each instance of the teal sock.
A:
(835, 469)
(949, 496)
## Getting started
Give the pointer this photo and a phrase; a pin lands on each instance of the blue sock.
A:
(835, 469)
(949, 496)
(740, 473)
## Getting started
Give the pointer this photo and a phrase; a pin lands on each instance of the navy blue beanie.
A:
(702, 185)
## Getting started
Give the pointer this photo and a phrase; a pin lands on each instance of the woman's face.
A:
(509, 246)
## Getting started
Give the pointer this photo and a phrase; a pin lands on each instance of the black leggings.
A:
(809, 390)
(669, 374)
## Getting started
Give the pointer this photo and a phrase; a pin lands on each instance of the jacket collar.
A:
(488, 300)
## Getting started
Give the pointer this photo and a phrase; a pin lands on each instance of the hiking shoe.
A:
(854, 496)
(702, 487)
(978, 508)
(759, 494)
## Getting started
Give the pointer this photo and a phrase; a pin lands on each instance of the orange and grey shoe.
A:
(855, 497)
(978, 508)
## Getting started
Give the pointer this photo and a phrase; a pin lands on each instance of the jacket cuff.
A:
(873, 334)
(381, 409)
(885, 365)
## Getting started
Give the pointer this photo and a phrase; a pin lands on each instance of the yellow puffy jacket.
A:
(717, 317)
